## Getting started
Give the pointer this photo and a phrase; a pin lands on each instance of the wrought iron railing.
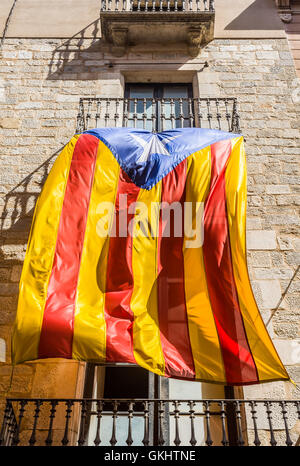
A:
(158, 5)
(159, 114)
(150, 422)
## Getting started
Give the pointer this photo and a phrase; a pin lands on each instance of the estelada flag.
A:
(109, 277)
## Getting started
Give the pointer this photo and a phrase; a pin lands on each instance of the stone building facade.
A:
(52, 56)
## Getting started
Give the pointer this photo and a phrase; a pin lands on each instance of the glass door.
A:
(159, 107)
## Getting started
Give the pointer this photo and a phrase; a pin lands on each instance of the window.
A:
(159, 107)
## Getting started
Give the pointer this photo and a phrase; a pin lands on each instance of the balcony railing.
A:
(158, 5)
(159, 114)
(150, 422)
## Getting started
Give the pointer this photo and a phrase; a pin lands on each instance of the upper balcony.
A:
(133, 22)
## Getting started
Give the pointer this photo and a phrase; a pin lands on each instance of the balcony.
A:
(158, 114)
(133, 22)
(150, 422)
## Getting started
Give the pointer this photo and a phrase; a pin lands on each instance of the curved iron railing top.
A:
(158, 5)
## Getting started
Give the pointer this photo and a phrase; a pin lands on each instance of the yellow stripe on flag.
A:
(39, 258)
(146, 334)
(203, 333)
(89, 340)
(265, 356)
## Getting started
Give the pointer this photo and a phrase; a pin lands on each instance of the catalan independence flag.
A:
(137, 254)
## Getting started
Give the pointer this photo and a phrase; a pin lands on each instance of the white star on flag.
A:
(153, 146)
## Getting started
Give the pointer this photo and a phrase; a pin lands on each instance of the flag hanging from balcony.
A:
(137, 254)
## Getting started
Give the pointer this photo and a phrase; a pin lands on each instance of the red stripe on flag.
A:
(58, 321)
(238, 361)
(119, 278)
(172, 312)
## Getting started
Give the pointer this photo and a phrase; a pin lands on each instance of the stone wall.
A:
(40, 85)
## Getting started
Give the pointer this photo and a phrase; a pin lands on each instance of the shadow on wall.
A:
(19, 206)
(68, 58)
(267, 19)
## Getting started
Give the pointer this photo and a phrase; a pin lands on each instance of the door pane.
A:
(176, 111)
(141, 109)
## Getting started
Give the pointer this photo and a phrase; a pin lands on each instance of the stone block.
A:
(277, 189)
(268, 292)
(261, 239)
(288, 350)
(9, 123)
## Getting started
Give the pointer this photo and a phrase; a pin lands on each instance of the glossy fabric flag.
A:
(115, 270)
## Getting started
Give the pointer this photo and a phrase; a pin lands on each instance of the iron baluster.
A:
(253, 405)
(69, 405)
(129, 439)
(199, 113)
(32, 439)
(126, 110)
(161, 439)
(191, 114)
(288, 439)
(224, 440)
(16, 439)
(88, 115)
(162, 115)
(49, 438)
(268, 405)
(11, 427)
(144, 112)
(181, 115)
(193, 440)
(209, 115)
(6, 419)
(297, 404)
(227, 114)
(153, 115)
(116, 117)
(145, 440)
(134, 112)
(113, 439)
(172, 114)
(238, 417)
(80, 117)
(208, 440)
(177, 440)
(235, 122)
(218, 113)
(98, 112)
(81, 440)
(106, 117)
(97, 440)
